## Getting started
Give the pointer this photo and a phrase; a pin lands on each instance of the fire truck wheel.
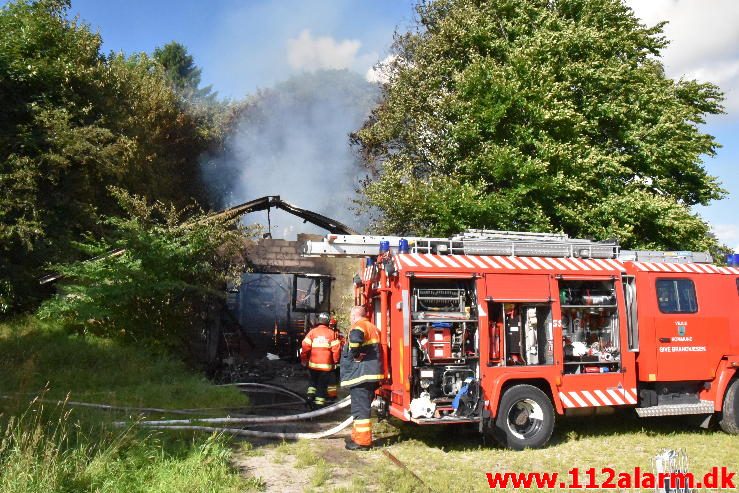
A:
(525, 418)
(730, 414)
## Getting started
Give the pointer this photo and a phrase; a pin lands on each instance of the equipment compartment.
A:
(445, 350)
(589, 326)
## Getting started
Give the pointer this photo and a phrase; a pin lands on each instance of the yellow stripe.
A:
(363, 378)
(320, 366)
(335, 342)
(308, 340)
(354, 344)
(362, 428)
(371, 341)
(321, 344)
(362, 421)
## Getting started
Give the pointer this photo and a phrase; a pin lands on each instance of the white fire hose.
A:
(345, 402)
(262, 434)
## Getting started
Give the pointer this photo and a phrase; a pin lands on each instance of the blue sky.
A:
(248, 44)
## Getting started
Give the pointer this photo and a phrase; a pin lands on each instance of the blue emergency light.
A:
(384, 246)
(732, 259)
(403, 246)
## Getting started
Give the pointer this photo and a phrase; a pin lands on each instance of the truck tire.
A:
(730, 412)
(525, 418)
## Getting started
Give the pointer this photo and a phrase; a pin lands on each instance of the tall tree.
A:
(541, 115)
(75, 122)
(180, 68)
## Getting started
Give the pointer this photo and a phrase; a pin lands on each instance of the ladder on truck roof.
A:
(492, 242)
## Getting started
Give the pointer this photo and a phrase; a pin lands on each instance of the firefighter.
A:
(361, 371)
(332, 391)
(320, 353)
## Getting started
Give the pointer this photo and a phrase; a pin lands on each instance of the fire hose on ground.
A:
(191, 424)
(269, 386)
(345, 402)
(187, 424)
(262, 434)
(108, 407)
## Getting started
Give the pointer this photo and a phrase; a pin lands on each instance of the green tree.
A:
(153, 279)
(180, 68)
(540, 115)
(74, 122)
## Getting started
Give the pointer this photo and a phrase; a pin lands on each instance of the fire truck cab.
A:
(508, 330)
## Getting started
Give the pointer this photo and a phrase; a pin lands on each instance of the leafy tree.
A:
(73, 123)
(180, 68)
(154, 278)
(540, 115)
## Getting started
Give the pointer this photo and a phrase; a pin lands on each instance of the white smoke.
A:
(293, 141)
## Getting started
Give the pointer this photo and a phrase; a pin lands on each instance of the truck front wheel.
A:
(525, 418)
(730, 412)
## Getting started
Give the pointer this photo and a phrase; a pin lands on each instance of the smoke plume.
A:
(292, 140)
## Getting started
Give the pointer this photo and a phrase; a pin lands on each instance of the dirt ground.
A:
(310, 465)
(325, 465)
(284, 468)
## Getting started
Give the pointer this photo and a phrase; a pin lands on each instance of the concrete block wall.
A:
(277, 255)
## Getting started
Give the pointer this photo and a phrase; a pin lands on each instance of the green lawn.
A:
(46, 447)
(621, 442)
(455, 459)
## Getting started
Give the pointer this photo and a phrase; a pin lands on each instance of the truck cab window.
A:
(589, 326)
(676, 296)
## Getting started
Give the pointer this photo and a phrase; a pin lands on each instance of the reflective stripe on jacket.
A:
(360, 357)
(321, 349)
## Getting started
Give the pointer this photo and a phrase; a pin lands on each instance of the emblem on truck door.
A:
(681, 330)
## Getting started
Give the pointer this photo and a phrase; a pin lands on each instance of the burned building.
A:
(278, 299)
(281, 292)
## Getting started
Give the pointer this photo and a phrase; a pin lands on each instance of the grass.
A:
(456, 458)
(446, 460)
(56, 448)
(306, 456)
(36, 356)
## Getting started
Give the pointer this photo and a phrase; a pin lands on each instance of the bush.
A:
(155, 281)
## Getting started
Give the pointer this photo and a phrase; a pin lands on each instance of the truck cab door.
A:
(688, 337)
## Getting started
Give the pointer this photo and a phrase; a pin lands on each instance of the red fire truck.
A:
(508, 330)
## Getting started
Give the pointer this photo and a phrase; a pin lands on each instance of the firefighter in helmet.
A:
(320, 353)
(361, 371)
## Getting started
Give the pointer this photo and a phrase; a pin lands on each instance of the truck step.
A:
(702, 407)
(444, 421)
